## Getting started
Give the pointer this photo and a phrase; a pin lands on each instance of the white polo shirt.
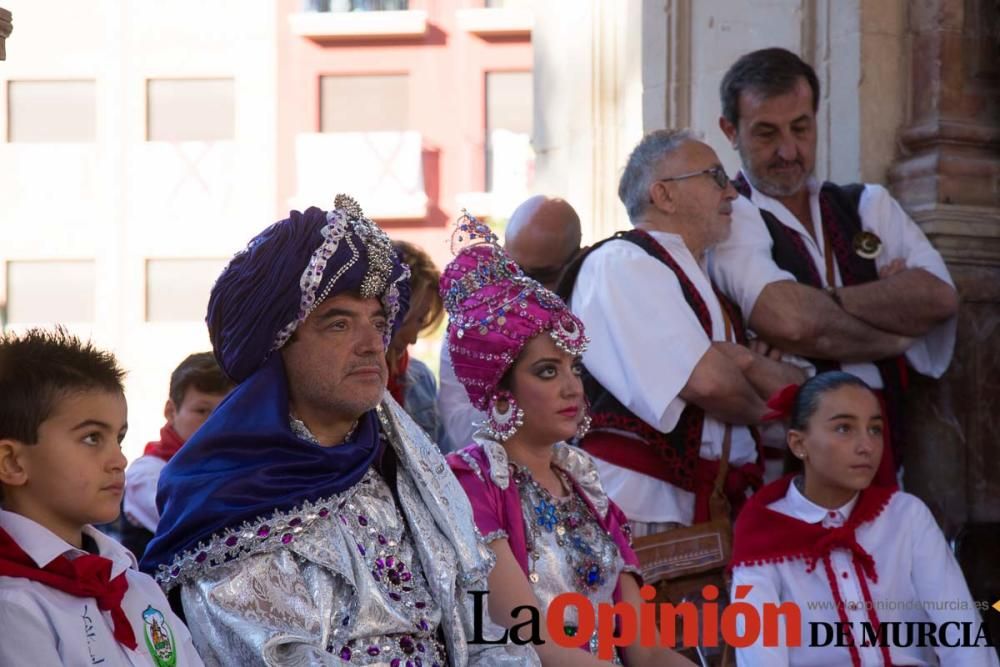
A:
(45, 626)
(141, 479)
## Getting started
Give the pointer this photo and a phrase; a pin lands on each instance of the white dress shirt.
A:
(918, 580)
(645, 341)
(141, 479)
(458, 416)
(742, 265)
(45, 626)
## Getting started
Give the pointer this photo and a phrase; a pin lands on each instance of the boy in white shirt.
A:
(197, 386)
(68, 594)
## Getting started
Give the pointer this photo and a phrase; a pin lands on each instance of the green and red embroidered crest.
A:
(159, 638)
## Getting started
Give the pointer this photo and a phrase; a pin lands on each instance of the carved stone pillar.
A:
(948, 178)
(5, 27)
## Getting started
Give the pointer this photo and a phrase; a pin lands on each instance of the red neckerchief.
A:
(762, 535)
(86, 576)
(166, 446)
(397, 378)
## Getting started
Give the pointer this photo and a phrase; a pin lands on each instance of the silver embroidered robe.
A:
(306, 588)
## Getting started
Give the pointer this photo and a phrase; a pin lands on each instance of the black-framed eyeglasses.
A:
(718, 174)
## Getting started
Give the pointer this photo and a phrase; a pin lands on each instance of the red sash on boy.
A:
(86, 576)
(762, 535)
(168, 444)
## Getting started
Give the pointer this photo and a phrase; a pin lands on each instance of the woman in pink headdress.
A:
(538, 502)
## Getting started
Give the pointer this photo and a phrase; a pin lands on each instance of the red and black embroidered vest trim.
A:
(841, 220)
(678, 451)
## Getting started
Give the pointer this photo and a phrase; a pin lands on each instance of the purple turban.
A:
(271, 287)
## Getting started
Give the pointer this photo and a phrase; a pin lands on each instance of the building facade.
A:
(145, 142)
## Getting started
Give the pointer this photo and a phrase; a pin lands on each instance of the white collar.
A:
(758, 197)
(796, 505)
(43, 546)
(768, 203)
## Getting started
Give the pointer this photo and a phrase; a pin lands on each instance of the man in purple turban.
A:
(309, 520)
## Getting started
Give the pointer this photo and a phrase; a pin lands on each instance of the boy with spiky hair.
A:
(197, 386)
(68, 594)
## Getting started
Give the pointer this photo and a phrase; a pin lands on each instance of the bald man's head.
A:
(543, 236)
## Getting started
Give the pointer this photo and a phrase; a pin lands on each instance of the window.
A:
(177, 290)
(508, 129)
(371, 103)
(50, 292)
(51, 111)
(190, 109)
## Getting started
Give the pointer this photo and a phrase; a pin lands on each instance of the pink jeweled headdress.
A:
(494, 310)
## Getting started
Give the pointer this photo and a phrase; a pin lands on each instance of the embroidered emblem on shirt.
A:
(867, 245)
(159, 638)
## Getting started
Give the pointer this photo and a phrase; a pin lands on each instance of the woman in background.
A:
(411, 382)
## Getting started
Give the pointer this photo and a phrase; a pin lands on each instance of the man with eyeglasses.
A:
(837, 274)
(543, 236)
(667, 375)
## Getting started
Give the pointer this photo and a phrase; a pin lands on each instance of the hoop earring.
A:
(502, 424)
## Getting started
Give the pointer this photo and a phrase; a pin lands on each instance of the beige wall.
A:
(121, 199)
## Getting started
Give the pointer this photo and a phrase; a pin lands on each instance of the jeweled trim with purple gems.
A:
(263, 534)
(333, 231)
(347, 217)
(390, 303)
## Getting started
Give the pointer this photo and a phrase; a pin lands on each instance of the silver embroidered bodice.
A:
(357, 578)
(568, 551)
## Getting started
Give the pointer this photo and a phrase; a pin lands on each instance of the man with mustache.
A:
(837, 274)
(310, 520)
(669, 383)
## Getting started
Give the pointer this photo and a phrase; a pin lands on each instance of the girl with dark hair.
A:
(849, 554)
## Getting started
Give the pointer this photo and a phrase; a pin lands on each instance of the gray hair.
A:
(639, 173)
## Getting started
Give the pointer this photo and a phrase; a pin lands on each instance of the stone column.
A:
(595, 88)
(5, 28)
(948, 178)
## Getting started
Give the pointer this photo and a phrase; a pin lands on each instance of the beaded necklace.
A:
(562, 517)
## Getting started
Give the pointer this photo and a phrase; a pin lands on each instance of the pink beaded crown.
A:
(494, 310)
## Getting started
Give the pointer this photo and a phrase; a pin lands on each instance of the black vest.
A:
(841, 221)
(678, 450)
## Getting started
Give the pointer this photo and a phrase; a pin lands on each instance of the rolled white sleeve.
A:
(742, 265)
(141, 479)
(644, 356)
(902, 239)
